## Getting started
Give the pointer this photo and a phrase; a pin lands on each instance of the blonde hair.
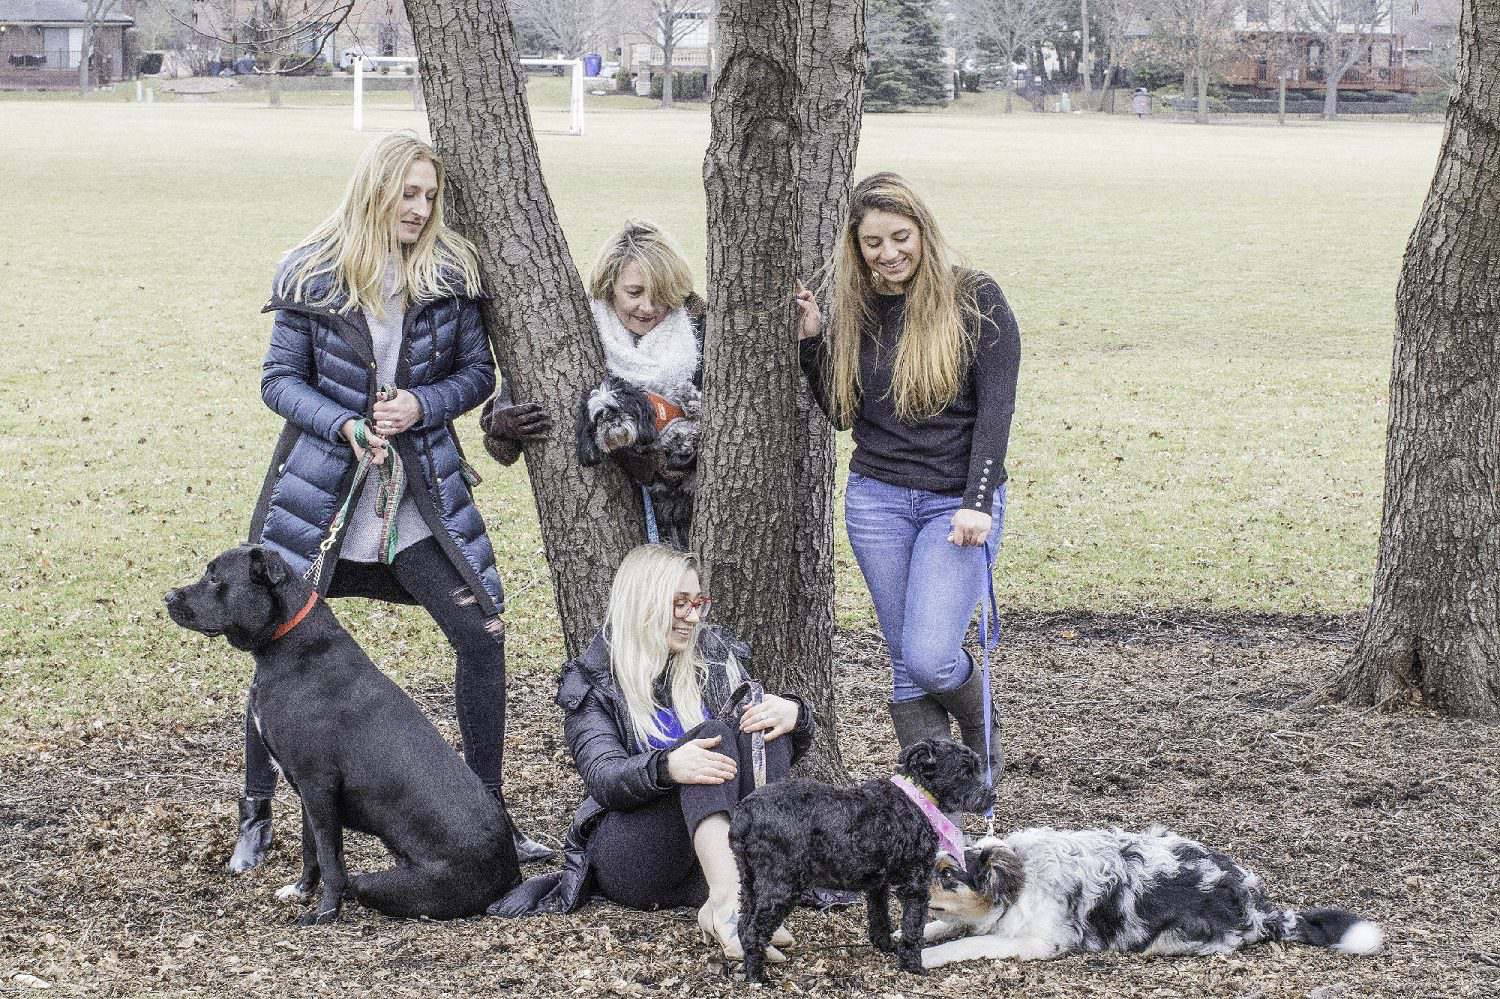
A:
(353, 245)
(636, 627)
(669, 279)
(936, 346)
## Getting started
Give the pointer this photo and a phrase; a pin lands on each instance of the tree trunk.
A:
(273, 85)
(666, 79)
(1433, 630)
(1281, 100)
(1331, 96)
(1086, 62)
(831, 68)
(84, 58)
(745, 517)
(538, 314)
(1201, 75)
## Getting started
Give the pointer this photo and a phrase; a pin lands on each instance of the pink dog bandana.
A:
(950, 837)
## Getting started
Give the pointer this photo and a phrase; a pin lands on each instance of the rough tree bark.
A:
(1433, 630)
(785, 129)
(538, 314)
(831, 67)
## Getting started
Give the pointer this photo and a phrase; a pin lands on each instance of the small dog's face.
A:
(234, 598)
(950, 772)
(978, 890)
(613, 416)
(678, 446)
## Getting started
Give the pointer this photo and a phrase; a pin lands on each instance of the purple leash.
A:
(988, 609)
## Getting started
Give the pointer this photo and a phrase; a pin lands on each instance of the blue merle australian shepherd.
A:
(1042, 893)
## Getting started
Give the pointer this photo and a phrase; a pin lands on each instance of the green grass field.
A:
(1206, 316)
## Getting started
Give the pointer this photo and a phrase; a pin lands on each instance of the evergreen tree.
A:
(906, 55)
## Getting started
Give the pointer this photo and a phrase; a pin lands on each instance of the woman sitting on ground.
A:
(650, 324)
(662, 754)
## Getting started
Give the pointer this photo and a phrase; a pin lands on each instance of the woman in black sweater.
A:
(920, 360)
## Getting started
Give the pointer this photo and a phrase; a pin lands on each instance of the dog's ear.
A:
(266, 567)
(588, 449)
(919, 761)
(1000, 874)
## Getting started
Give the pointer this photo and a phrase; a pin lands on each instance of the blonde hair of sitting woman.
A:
(669, 279)
(635, 628)
(353, 244)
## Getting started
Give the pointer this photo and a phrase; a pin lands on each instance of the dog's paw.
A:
(912, 963)
(886, 944)
(294, 893)
(318, 917)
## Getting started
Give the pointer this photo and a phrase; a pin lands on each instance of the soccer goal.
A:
(575, 98)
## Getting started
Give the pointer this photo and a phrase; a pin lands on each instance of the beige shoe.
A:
(723, 928)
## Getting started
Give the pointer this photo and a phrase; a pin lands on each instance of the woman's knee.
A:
(935, 665)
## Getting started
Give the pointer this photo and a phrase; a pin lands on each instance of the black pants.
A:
(644, 859)
(424, 573)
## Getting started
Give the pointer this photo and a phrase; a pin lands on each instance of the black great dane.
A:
(356, 748)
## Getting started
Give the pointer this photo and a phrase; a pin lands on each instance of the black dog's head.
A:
(979, 890)
(677, 451)
(242, 596)
(951, 773)
(617, 414)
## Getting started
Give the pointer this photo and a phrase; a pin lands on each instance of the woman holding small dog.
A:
(650, 325)
(665, 751)
(377, 347)
(920, 360)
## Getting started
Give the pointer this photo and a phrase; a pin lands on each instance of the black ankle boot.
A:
(528, 850)
(254, 836)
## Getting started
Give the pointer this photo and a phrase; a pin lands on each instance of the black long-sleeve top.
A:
(960, 451)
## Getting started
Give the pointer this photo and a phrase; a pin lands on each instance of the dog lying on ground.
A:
(875, 838)
(356, 748)
(654, 438)
(1042, 893)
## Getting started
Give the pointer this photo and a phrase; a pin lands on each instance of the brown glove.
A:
(508, 428)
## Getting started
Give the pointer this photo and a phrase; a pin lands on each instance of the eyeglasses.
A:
(682, 605)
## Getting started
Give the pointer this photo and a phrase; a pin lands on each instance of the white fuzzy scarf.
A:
(660, 361)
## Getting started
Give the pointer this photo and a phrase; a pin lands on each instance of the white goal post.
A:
(575, 97)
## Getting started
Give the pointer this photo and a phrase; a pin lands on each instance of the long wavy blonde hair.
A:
(936, 347)
(636, 626)
(669, 279)
(353, 245)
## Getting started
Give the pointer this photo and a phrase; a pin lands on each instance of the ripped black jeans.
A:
(424, 573)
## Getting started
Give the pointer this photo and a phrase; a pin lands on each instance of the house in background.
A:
(41, 44)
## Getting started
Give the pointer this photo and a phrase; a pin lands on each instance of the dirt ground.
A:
(112, 839)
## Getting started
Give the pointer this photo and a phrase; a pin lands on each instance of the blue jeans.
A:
(925, 588)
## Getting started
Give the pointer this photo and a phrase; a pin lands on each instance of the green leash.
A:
(392, 488)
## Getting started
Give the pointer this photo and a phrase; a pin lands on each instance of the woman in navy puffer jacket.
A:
(384, 294)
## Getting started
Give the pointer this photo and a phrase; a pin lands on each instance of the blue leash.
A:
(652, 535)
(987, 609)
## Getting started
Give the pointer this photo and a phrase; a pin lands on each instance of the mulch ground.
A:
(113, 838)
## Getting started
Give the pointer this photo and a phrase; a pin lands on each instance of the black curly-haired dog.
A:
(355, 748)
(654, 438)
(873, 838)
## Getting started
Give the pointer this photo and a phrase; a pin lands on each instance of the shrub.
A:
(685, 86)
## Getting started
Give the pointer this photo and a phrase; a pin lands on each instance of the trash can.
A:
(591, 64)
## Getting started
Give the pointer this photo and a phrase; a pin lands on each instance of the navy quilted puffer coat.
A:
(319, 373)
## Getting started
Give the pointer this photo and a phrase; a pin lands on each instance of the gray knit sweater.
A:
(362, 542)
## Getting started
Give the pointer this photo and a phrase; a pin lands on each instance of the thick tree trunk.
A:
(745, 517)
(1433, 631)
(831, 67)
(538, 315)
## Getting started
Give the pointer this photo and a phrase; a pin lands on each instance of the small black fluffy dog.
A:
(655, 445)
(358, 751)
(873, 838)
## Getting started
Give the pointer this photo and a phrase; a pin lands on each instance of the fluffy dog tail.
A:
(1338, 929)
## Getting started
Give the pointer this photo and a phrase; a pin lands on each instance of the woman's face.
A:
(891, 245)
(683, 625)
(632, 303)
(418, 194)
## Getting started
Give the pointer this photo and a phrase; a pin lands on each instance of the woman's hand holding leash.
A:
(376, 443)
(970, 528)
(775, 716)
(811, 316)
(397, 414)
(694, 762)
